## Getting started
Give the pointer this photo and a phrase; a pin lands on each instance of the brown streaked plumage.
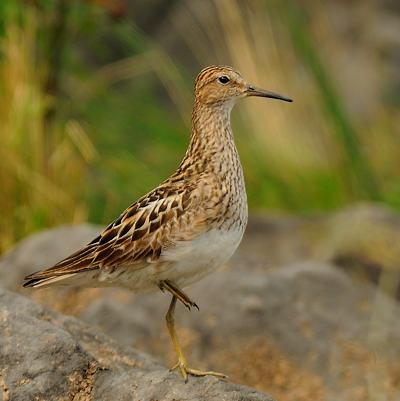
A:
(187, 226)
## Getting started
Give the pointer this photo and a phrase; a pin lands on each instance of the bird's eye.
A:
(224, 79)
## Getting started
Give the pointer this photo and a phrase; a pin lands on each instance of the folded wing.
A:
(137, 237)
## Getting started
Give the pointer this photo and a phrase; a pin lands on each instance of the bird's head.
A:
(221, 85)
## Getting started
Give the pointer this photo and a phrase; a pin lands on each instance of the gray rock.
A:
(42, 250)
(307, 310)
(48, 356)
(310, 323)
(281, 317)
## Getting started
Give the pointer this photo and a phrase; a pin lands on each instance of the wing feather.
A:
(138, 235)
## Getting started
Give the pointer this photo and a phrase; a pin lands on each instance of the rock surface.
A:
(47, 356)
(42, 250)
(304, 322)
(291, 315)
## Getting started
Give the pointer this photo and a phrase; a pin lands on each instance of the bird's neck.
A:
(211, 140)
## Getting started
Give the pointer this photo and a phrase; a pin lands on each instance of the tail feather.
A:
(53, 275)
(88, 258)
(76, 264)
(43, 282)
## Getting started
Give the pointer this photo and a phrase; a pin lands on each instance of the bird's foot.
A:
(185, 371)
(178, 293)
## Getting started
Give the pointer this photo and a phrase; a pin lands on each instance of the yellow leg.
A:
(182, 363)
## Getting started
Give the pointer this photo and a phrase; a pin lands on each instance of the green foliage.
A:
(42, 162)
(94, 113)
(357, 164)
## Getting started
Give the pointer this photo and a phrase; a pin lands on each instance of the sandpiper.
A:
(186, 227)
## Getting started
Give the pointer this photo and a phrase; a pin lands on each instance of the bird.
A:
(186, 227)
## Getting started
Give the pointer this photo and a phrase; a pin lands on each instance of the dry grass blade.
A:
(40, 170)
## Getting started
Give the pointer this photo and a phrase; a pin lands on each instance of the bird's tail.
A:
(37, 282)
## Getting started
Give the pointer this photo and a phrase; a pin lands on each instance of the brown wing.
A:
(138, 235)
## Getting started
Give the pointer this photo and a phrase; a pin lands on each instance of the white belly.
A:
(191, 261)
(184, 264)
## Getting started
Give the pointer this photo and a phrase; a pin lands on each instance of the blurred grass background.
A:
(95, 102)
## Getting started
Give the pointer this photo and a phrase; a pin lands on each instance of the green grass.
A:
(41, 164)
(118, 120)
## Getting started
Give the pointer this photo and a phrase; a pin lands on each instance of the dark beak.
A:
(252, 91)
